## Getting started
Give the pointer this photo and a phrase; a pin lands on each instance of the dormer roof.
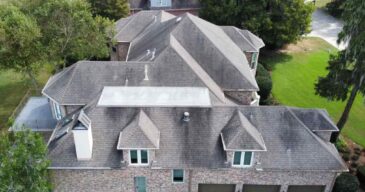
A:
(141, 133)
(240, 135)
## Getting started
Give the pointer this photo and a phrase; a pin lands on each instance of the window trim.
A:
(254, 60)
(139, 157)
(172, 177)
(243, 154)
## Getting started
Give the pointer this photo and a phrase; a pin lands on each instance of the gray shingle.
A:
(239, 134)
(140, 133)
(197, 144)
(315, 119)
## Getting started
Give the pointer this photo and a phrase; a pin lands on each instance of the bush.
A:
(342, 146)
(354, 165)
(335, 7)
(355, 157)
(361, 174)
(264, 82)
(346, 156)
(346, 183)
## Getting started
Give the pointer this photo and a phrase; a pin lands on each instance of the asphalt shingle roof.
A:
(197, 143)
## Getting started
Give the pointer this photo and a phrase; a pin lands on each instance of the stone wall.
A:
(161, 180)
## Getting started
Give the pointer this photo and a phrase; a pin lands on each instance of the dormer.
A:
(240, 141)
(139, 140)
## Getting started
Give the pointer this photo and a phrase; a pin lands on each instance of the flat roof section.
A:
(154, 97)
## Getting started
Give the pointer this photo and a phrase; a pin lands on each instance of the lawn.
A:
(322, 3)
(13, 87)
(295, 71)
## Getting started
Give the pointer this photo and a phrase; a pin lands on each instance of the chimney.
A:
(186, 117)
(83, 138)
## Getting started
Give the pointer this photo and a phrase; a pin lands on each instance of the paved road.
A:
(326, 27)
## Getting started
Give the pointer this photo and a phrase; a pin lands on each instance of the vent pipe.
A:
(186, 117)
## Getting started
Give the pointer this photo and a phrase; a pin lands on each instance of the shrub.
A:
(342, 146)
(346, 156)
(355, 157)
(354, 165)
(346, 183)
(264, 82)
(361, 174)
(335, 7)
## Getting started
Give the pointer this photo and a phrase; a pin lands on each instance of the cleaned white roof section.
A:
(154, 97)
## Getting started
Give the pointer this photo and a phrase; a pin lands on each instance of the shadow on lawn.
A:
(270, 58)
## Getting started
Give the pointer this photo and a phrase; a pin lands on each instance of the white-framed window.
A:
(178, 175)
(138, 157)
(57, 111)
(254, 60)
(242, 159)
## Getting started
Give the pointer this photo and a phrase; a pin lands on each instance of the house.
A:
(175, 7)
(177, 110)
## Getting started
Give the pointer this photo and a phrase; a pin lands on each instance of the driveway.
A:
(326, 27)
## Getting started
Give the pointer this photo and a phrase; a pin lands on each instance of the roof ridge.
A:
(249, 42)
(174, 43)
(320, 141)
(141, 112)
(240, 115)
(70, 80)
(251, 80)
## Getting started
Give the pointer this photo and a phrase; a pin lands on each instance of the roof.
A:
(183, 51)
(140, 133)
(315, 119)
(245, 40)
(154, 97)
(197, 143)
(240, 135)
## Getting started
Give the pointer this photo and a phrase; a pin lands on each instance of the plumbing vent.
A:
(178, 19)
(186, 117)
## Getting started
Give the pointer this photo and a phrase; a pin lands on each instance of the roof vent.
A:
(178, 19)
(186, 117)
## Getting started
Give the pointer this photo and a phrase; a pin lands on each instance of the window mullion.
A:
(139, 157)
(242, 158)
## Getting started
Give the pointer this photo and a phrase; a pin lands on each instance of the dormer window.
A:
(138, 157)
(254, 60)
(242, 159)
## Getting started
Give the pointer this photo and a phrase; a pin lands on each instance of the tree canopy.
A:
(20, 47)
(23, 164)
(277, 22)
(346, 71)
(112, 9)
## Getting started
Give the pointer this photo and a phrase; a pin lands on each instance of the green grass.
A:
(294, 75)
(13, 86)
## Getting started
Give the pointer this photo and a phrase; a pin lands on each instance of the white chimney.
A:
(83, 138)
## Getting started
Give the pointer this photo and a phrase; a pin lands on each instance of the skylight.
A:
(154, 97)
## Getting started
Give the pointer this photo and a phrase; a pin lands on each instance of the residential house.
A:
(177, 110)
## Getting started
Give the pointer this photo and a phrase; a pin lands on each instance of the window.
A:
(242, 159)
(178, 176)
(57, 111)
(254, 60)
(160, 3)
(138, 157)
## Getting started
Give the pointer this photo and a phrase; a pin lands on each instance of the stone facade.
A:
(160, 180)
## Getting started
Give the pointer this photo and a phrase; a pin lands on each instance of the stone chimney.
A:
(83, 138)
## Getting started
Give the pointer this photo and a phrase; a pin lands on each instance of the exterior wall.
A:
(63, 109)
(243, 97)
(248, 56)
(161, 180)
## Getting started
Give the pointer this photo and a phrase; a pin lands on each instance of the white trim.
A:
(242, 165)
(139, 158)
(172, 176)
(79, 168)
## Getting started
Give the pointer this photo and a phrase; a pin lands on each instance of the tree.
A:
(71, 32)
(23, 164)
(335, 7)
(20, 47)
(264, 82)
(277, 22)
(112, 9)
(346, 183)
(346, 71)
